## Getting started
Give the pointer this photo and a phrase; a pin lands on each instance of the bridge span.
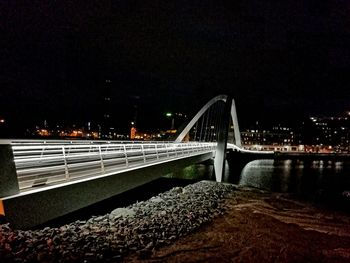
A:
(58, 177)
(41, 180)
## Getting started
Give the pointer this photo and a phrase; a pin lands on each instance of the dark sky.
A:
(276, 58)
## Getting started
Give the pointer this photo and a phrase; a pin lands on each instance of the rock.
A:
(121, 212)
(156, 199)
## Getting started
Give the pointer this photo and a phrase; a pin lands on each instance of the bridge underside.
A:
(33, 208)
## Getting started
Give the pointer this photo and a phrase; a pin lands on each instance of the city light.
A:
(2, 120)
(169, 114)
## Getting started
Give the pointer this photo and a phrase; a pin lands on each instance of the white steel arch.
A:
(223, 98)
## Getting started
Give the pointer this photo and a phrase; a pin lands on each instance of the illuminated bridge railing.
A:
(47, 163)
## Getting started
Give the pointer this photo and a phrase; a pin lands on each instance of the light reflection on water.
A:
(320, 181)
(194, 172)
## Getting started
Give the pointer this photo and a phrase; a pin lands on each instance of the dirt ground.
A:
(263, 227)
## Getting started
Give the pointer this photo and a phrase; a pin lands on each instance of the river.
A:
(325, 183)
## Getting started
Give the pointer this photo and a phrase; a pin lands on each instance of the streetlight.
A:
(169, 114)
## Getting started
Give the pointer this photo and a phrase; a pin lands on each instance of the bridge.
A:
(44, 179)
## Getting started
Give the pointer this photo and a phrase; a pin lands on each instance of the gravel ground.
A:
(267, 227)
(139, 228)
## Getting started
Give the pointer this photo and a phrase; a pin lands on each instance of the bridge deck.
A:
(52, 163)
(55, 179)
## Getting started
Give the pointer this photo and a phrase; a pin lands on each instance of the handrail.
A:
(66, 141)
(48, 162)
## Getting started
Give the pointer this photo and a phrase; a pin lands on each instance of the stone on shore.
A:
(139, 228)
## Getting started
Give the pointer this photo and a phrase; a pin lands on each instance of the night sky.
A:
(278, 59)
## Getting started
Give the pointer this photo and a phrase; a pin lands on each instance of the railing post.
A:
(101, 158)
(157, 151)
(126, 156)
(143, 153)
(176, 150)
(8, 174)
(42, 152)
(66, 172)
(167, 152)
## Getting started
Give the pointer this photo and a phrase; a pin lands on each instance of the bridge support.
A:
(229, 111)
(8, 175)
(220, 154)
(238, 141)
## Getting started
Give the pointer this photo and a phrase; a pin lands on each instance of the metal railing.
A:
(41, 163)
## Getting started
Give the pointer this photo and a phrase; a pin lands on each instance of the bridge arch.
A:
(233, 113)
(229, 111)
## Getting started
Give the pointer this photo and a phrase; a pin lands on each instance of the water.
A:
(323, 183)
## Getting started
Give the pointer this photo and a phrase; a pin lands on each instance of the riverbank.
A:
(200, 222)
(259, 227)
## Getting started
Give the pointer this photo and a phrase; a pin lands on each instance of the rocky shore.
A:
(138, 229)
(201, 222)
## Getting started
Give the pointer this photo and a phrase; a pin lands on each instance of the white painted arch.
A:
(200, 113)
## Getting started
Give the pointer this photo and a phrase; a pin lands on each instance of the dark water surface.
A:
(325, 183)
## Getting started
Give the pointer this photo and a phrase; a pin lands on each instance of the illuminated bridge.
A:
(41, 180)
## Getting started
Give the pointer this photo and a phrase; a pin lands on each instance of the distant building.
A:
(133, 133)
(64, 132)
(328, 132)
(315, 134)
(107, 128)
(155, 135)
(276, 135)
